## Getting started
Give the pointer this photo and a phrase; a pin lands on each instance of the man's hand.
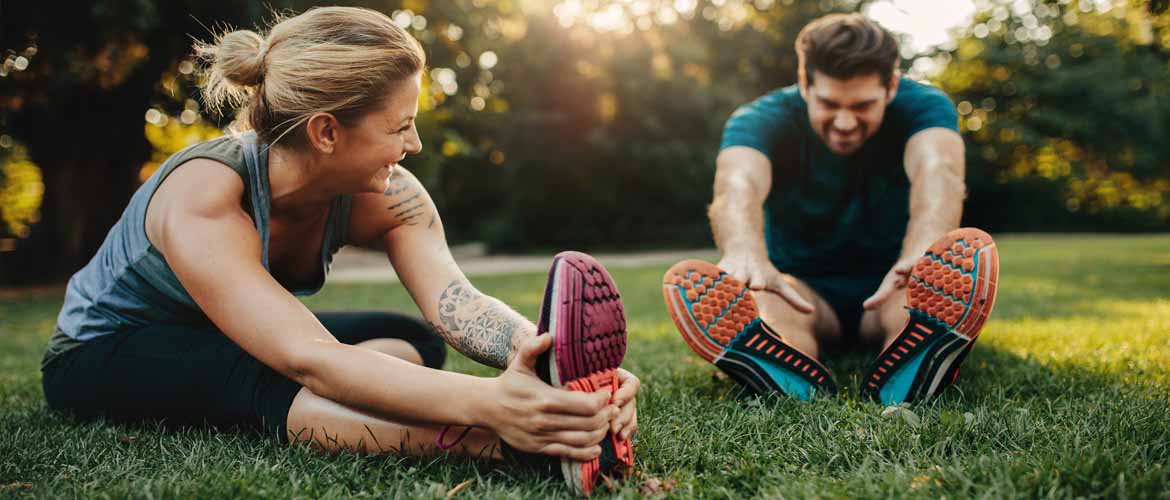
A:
(895, 281)
(761, 276)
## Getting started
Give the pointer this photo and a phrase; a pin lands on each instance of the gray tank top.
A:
(128, 283)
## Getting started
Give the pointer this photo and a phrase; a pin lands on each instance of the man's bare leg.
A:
(766, 340)
(803, 331)
(881, 326)
(952, 293)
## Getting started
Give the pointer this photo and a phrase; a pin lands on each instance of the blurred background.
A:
(594, 124)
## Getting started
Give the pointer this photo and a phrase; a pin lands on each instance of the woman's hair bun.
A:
(240, 57)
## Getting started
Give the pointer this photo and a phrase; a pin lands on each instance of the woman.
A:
(187, 312)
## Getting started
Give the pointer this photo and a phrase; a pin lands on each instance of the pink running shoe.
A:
(583, 312)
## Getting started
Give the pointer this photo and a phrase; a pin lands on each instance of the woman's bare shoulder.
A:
(200, 187)
(405, 203)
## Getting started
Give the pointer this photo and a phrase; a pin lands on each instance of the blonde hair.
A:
(338, 60)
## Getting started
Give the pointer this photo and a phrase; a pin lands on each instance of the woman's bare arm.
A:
(214, 249)
(406, 224)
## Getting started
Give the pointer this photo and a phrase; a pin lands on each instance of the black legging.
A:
(195, 375)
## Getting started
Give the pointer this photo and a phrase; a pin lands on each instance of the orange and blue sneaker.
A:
(583, 312)
(950, 293)
(718, 317)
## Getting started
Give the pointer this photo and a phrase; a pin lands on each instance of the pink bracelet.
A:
(447, 446)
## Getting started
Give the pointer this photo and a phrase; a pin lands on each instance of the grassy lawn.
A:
(1067, 394)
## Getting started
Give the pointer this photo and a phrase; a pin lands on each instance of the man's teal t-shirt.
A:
(830, 215)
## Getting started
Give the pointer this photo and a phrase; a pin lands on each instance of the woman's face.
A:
(379, 140)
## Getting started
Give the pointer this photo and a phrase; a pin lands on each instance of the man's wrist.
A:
(745, 249)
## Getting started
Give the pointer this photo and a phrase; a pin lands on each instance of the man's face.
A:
(846, 113)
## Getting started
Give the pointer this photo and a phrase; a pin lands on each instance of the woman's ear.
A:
(322, 130)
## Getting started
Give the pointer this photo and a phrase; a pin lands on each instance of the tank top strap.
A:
(256, 164)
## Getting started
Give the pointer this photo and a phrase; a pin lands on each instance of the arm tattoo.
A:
(409, 209)
(403, 202)
(478, 326)
(398, 184)
(409, 215)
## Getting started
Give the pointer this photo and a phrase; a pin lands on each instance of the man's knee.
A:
(776, 311)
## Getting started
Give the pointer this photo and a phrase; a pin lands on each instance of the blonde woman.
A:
(187, 312)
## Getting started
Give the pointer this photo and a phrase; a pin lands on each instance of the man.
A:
(827, 195)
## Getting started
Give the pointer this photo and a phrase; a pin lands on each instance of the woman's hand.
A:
(625, 399)
(535, 417)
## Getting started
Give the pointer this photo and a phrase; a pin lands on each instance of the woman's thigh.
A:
(192, 375)
(180, 374)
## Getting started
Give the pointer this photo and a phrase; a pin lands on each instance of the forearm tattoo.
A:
(478, 326)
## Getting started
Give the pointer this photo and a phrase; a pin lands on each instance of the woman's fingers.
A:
(628, 387)
(627, 417)
(884, 292)
(630, 428)
(530, 352)
(579, 439)
(624, 398)
(567, 402)
(551, 423)
(580, 454)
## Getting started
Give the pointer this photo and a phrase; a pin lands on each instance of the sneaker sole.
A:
(950, 294)
(584, 313)
(719, 319)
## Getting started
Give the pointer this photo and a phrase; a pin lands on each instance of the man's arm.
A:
(935, 164)
(743, 179)
(936, 168)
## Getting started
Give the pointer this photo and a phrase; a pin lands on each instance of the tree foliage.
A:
(588, 123)
(1069, 100)
(74, 84)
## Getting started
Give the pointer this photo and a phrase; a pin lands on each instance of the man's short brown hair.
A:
(843, 46)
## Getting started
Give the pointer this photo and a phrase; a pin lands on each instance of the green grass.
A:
(1066, 395)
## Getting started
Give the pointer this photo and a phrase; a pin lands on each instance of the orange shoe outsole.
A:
(719, 319)
(950, 294)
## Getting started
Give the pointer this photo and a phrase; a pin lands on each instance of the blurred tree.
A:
(21, 191)
(1066, 107)
(591, 123)
(74, 85)
(545, 117)
(615, 114)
